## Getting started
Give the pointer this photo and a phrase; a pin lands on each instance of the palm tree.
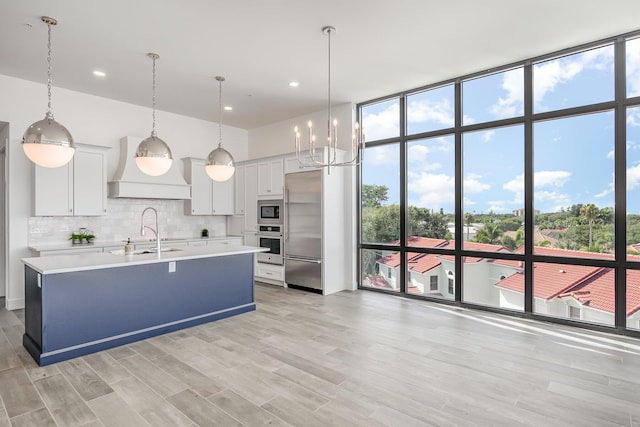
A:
(468, 219)
(589, 212)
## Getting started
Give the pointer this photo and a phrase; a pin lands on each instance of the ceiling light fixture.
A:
(99, 73)
(294, 84)
(220, 165)
(318, 160)
(153, 156)
(46, 142)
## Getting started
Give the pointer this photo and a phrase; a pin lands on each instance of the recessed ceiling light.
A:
(99, 73)
(228, 108)
(294, 84)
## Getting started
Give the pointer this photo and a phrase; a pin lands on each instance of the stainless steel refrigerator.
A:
(303, 229)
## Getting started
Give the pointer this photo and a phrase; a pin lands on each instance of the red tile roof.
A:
(378, 282)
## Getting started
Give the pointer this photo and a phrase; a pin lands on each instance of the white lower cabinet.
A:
(270, 273)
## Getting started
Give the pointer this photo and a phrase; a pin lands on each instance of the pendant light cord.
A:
(220, 80)
(153, 98)
(49, 109)
(329, 88)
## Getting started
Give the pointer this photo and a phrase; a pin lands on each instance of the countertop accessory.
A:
(128, 248)
(46, 142)
(204, 233)
(317, 159)
(82, 237)
(220, 165)
(153, 155)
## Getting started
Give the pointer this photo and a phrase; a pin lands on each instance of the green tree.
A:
(589, 212)
(373, 196)
(490, 233)
(468, 219)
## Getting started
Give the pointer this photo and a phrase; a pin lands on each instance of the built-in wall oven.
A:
(270, 237)
(270, 231)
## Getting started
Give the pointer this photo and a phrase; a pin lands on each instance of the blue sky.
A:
(573, 157)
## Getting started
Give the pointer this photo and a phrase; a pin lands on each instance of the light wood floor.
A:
(350, 359)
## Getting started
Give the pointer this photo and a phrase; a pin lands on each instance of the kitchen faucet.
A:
(156, 231)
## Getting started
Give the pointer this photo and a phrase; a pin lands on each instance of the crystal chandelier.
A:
(220, 166)
(46, 142)
(153, 156)
(313, 156)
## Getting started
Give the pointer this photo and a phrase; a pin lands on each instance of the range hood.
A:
(129, 181)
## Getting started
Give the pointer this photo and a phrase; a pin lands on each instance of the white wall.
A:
(278, 138)
(91, 120)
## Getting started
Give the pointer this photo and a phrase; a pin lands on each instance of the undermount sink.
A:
(145, 251)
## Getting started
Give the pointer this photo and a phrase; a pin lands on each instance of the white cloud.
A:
(381, 155)
(498, 206)
(420, 152)
(633, 67)
(560, 199)
(383, 124)
(633, 177)
(516, 185)
(633, 114)
(550, 74)
(426, 110)
(550, 178)
(488, 135)
(512, 104)
(472, 184)
(432, 190)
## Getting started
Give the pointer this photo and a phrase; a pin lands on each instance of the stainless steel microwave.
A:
(270, 211)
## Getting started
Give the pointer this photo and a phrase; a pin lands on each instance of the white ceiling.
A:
(380, 47)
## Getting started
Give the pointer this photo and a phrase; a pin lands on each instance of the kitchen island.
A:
(80, 304)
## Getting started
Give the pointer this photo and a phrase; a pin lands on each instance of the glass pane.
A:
(579, 79)
(493, 189)
(633, 184)
(493, 97)
(577, 292)
(430, 110)
(633, 299)
(431, 191)
(431, 275)
(381, 195)
(573, 185)
(380, 269)
(381, 120)
(494, 282)
(633, 67)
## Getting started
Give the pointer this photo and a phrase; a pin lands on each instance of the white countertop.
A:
(109, 243)
(94, 261)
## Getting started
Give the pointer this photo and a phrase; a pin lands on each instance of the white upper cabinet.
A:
(239, 202)
(78, 188)
(208, 197)
(251, 198)
(271, 178)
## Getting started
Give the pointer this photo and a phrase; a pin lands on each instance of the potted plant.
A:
(76, 238)
(89, 238)
(204, 233)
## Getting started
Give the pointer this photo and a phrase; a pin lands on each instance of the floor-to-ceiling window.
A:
(516, 189)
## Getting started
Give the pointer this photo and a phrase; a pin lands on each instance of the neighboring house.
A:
(561, 290)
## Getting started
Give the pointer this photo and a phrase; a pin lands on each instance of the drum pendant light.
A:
(220, 165)
(153, 156)
(46, 142)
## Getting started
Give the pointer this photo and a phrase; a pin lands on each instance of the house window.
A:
(388, 273)
(574, 312)
(450, 280)
(433, 284)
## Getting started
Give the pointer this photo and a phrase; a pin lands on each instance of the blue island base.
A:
(77, 313)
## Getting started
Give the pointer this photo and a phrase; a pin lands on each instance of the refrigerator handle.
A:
(286, 213)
